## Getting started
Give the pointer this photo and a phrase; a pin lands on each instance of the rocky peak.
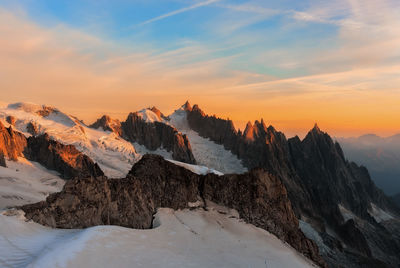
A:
(157, 112)
(318, 179)
(11, 120)
(187, 106)
(196, 109)
(12, 143)
(108, 124)
(249, 132)
(47, 110)
(154, 135)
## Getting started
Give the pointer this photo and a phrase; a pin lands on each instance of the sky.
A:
(292, 63)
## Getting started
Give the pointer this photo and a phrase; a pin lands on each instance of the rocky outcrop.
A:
(65, 159)
(46, 110)
(2, 160)
(153, 182)
(32, 128)
(108, 124)
(159, 114)
(12, 143)
(11, 120)
(318, 179)
(153, 135)
(261, 199)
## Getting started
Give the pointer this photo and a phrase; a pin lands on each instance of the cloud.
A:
(349, 87)
(179, 11)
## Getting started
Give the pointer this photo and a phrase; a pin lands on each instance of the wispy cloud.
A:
(179, 11)
(348, 79)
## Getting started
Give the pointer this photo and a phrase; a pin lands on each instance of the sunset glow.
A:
(295, 63)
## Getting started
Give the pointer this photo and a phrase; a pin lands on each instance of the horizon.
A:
(292, 63)
(236, 125)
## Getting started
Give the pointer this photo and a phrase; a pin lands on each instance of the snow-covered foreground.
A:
(187, 238)
(205, 151)
(25, 182)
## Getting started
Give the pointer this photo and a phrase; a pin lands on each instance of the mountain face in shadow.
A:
(335, 196)
(380, 155)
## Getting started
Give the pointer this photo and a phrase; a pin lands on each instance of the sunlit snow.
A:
(114, 155)
(185, 238)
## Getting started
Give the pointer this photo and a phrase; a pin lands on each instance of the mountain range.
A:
(381, 155)
(304, 191)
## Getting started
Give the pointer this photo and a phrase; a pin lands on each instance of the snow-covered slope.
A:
(25, 182)
(114, 155)
(188, 238)
(379, 214)
(201, 170)
(206, 152)
(149, 116)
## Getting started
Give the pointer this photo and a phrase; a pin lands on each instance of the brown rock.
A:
(153, 182)
(318, 178)
(32, 128)
(65, 159)
(158, 135)
(2, 160)
(11, 120)
(153, 135)
(12, 143)
(108, 124)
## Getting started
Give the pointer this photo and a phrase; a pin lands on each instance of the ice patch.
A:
(347, 214)
(149, 116)
(201, 170)
(379, 214)
(312, 234)
(206, 152)
(142, 150)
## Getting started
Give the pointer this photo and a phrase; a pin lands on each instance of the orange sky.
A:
(87, 76)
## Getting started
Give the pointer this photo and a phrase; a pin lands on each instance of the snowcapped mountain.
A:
(114, 155)
(333, 201)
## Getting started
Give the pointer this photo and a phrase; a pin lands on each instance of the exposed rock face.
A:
(108, 124)
(158, 112)
(46, 111)
(153, 182)
(2, 160)
(32, 128)
(11, 120)
(152, 135)
(261, 199)
(318, 179)
(12, 143)
(155, 135)
(63, 158)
